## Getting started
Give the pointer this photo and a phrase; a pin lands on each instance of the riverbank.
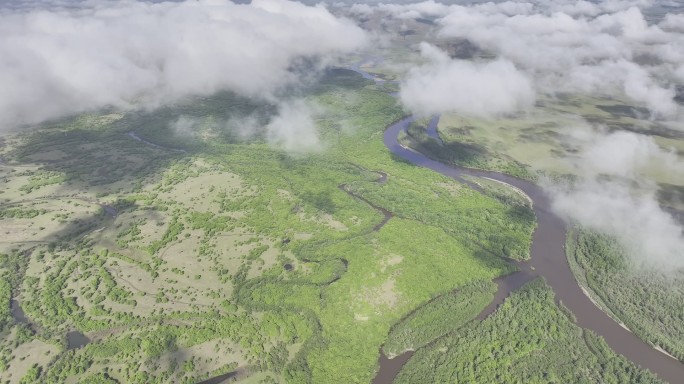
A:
(548, 260)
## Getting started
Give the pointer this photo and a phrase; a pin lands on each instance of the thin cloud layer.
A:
(613, 197)
(651, 236)
(581, 47)
(570, 46)
(293, 128)
(129, 54)
(477, 89)
(626, 155)
(545, 47)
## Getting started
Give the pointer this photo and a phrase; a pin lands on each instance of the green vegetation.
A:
(41, 179)
(463, 213)
(32, 376)
(539, 142)
(199, 250)
(5, 296)
(12, 269)
(649, 303)
(528, 339)
(235, 255)
(439, 317)
(463, 153)
(18, 213)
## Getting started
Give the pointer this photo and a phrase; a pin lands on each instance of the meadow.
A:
(211, 252)
(186, 255)
(542, 141)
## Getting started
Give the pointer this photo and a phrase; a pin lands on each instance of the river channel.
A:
(548, 260)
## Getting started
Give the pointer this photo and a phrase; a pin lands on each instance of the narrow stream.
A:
(431, 129)
(135, 136)
(548, 260)
(75, 339)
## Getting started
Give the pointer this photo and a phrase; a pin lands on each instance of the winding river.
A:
(548, 260)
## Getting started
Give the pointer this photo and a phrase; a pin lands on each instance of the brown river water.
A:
(549, 261)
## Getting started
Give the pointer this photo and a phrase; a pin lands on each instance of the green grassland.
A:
(528, 339)
(649, 303)
(463, 152)
(232, 255)
(538, 142)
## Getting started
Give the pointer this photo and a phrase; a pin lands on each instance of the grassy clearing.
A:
(28, 355)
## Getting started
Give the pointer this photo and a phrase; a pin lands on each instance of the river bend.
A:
(548, 260)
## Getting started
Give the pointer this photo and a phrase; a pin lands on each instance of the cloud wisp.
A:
(556, 46)
(613, 196)
(293, 128)
(605, 48)
(132, 54)
(478, 89)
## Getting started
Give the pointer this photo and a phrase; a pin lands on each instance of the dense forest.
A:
(647, 301)
(439, 317)
(528, 339)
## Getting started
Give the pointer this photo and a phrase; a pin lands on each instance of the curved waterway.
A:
(75, 339)
(389, 368)
(387, 215)
(135, 136)
(547, 260)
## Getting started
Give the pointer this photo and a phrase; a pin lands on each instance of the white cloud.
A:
(410, 11)
(130, 53)
(565, 48)
(613, 197)
(673, 22)
(293, 128)
(185, 126)
(572, 46)
(478, 89)
(625, 154)
(652, 237)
